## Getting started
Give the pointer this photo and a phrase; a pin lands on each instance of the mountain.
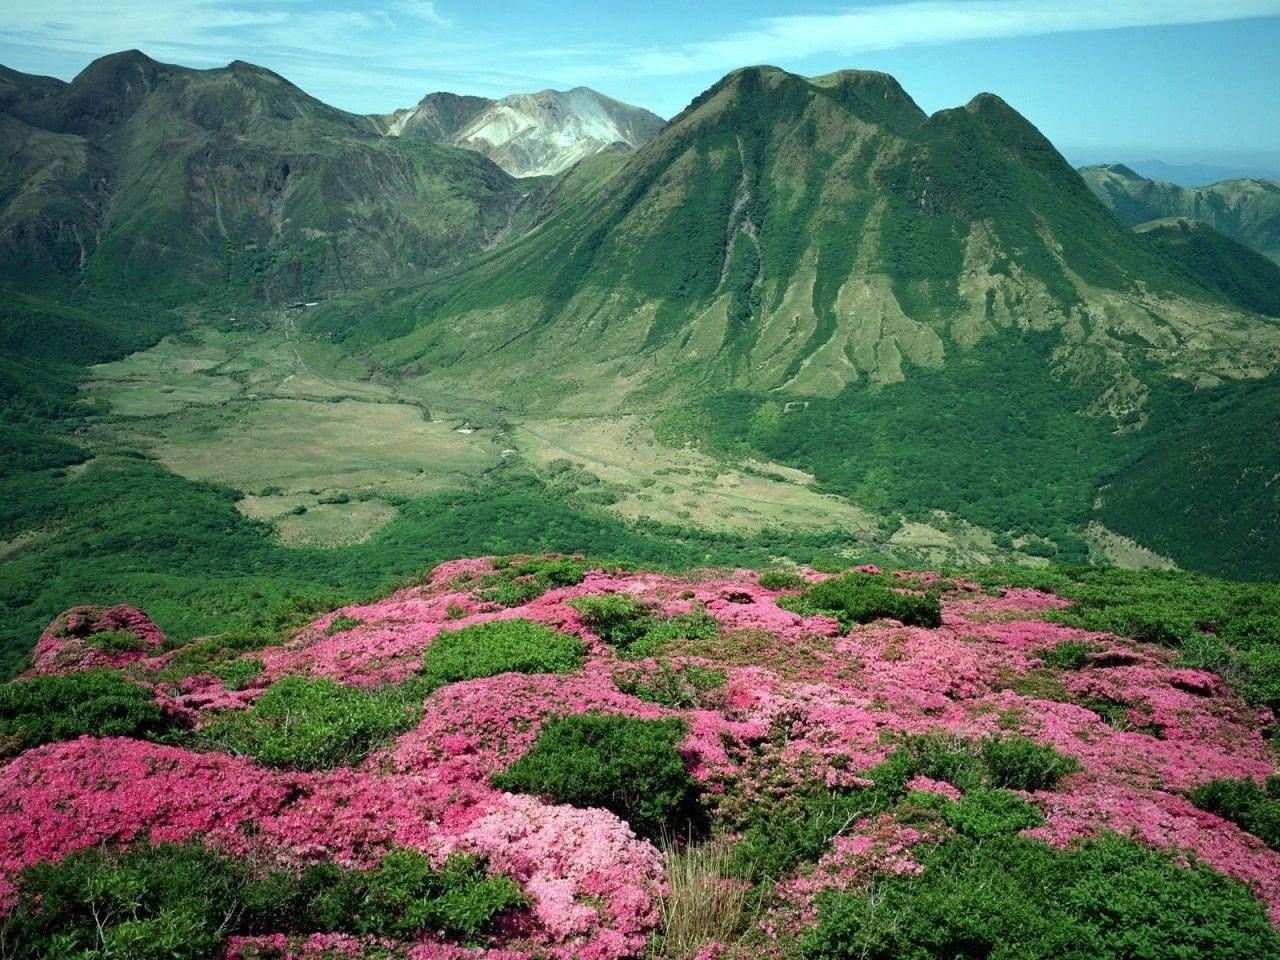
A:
(1198, 174)
(527, 134)
(145, 178)
(436, 118)
(1247, 210)
(1211, 258)
(923, 311)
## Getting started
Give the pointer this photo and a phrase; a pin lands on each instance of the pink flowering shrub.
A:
(87, 637)
(779, 712)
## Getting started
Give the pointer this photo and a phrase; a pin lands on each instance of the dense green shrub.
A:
(100, 703)
(499, 646)
(174, 902)
(1012, 897)
(782, 580)
(860, 598)
(302, 724)
(990, 813)
(165, 902)
(777, 838)
(117, 641)
(517, 581)
(627, 765)
(1252, 806)
(1069, 655)
(637, 628)
(680, 687)
(341, 624)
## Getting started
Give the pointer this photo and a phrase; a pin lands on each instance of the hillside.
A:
(140, 178)
(1220, 264)
(801, 270)
(527, 134)
(1247, 210)
(538, 756)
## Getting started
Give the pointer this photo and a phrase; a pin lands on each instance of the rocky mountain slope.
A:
(527, 134)
(1247, 210)
(811, 270)
(144, 178)
(532, 756)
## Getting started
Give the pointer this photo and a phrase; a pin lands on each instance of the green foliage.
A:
(1252, 806)
(778, 837)
(782, 580)
(117, 641)
(499, 646)
(991, 813)
(301, 724)
(860, 598)
(174, 902)
(146, 903)
(1069, 654)
(637, 629)
(99, 703)
(680, 687)
(624, 764)
(519, 581)
(1016, 897)
(341, 624)
(405, 895)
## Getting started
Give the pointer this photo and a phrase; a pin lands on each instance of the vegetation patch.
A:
(680, 686)
(181, 902)
(499, 646)
(624, 764)
(301, 724)
(986, 897)
(96, 703)
(516, 581)
(635, 628)
(1250, 805)
(861, 598)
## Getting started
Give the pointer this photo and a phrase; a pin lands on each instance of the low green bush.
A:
(99, 703)
(991, 813)
(499, 646)
(1011, 896)
(624, 764)
(518, 581)
(638, 629)
(301, 724)
(779, 837)
(181, 902)
(341, 624)
(680, 687)
(1069, 655)
(117, 641)
(782, 580)
(861, 598)
(1250, 805)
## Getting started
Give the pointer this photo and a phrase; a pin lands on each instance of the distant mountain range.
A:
(926, 312)
(527, 134)
(1247, 210)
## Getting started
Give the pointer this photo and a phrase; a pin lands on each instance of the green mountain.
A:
(1211, 258)
(1247, 210)
(140, 178)
(923, 311)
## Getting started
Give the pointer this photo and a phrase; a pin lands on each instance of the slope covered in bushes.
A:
(535, 758)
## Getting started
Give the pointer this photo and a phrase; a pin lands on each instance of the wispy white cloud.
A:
(885, 27)
(424, 10)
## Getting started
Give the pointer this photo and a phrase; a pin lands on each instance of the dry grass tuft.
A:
(705, 900)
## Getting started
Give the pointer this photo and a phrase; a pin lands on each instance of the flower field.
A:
(568, 733)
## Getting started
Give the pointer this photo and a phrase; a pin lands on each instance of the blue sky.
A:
(1187, 81)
